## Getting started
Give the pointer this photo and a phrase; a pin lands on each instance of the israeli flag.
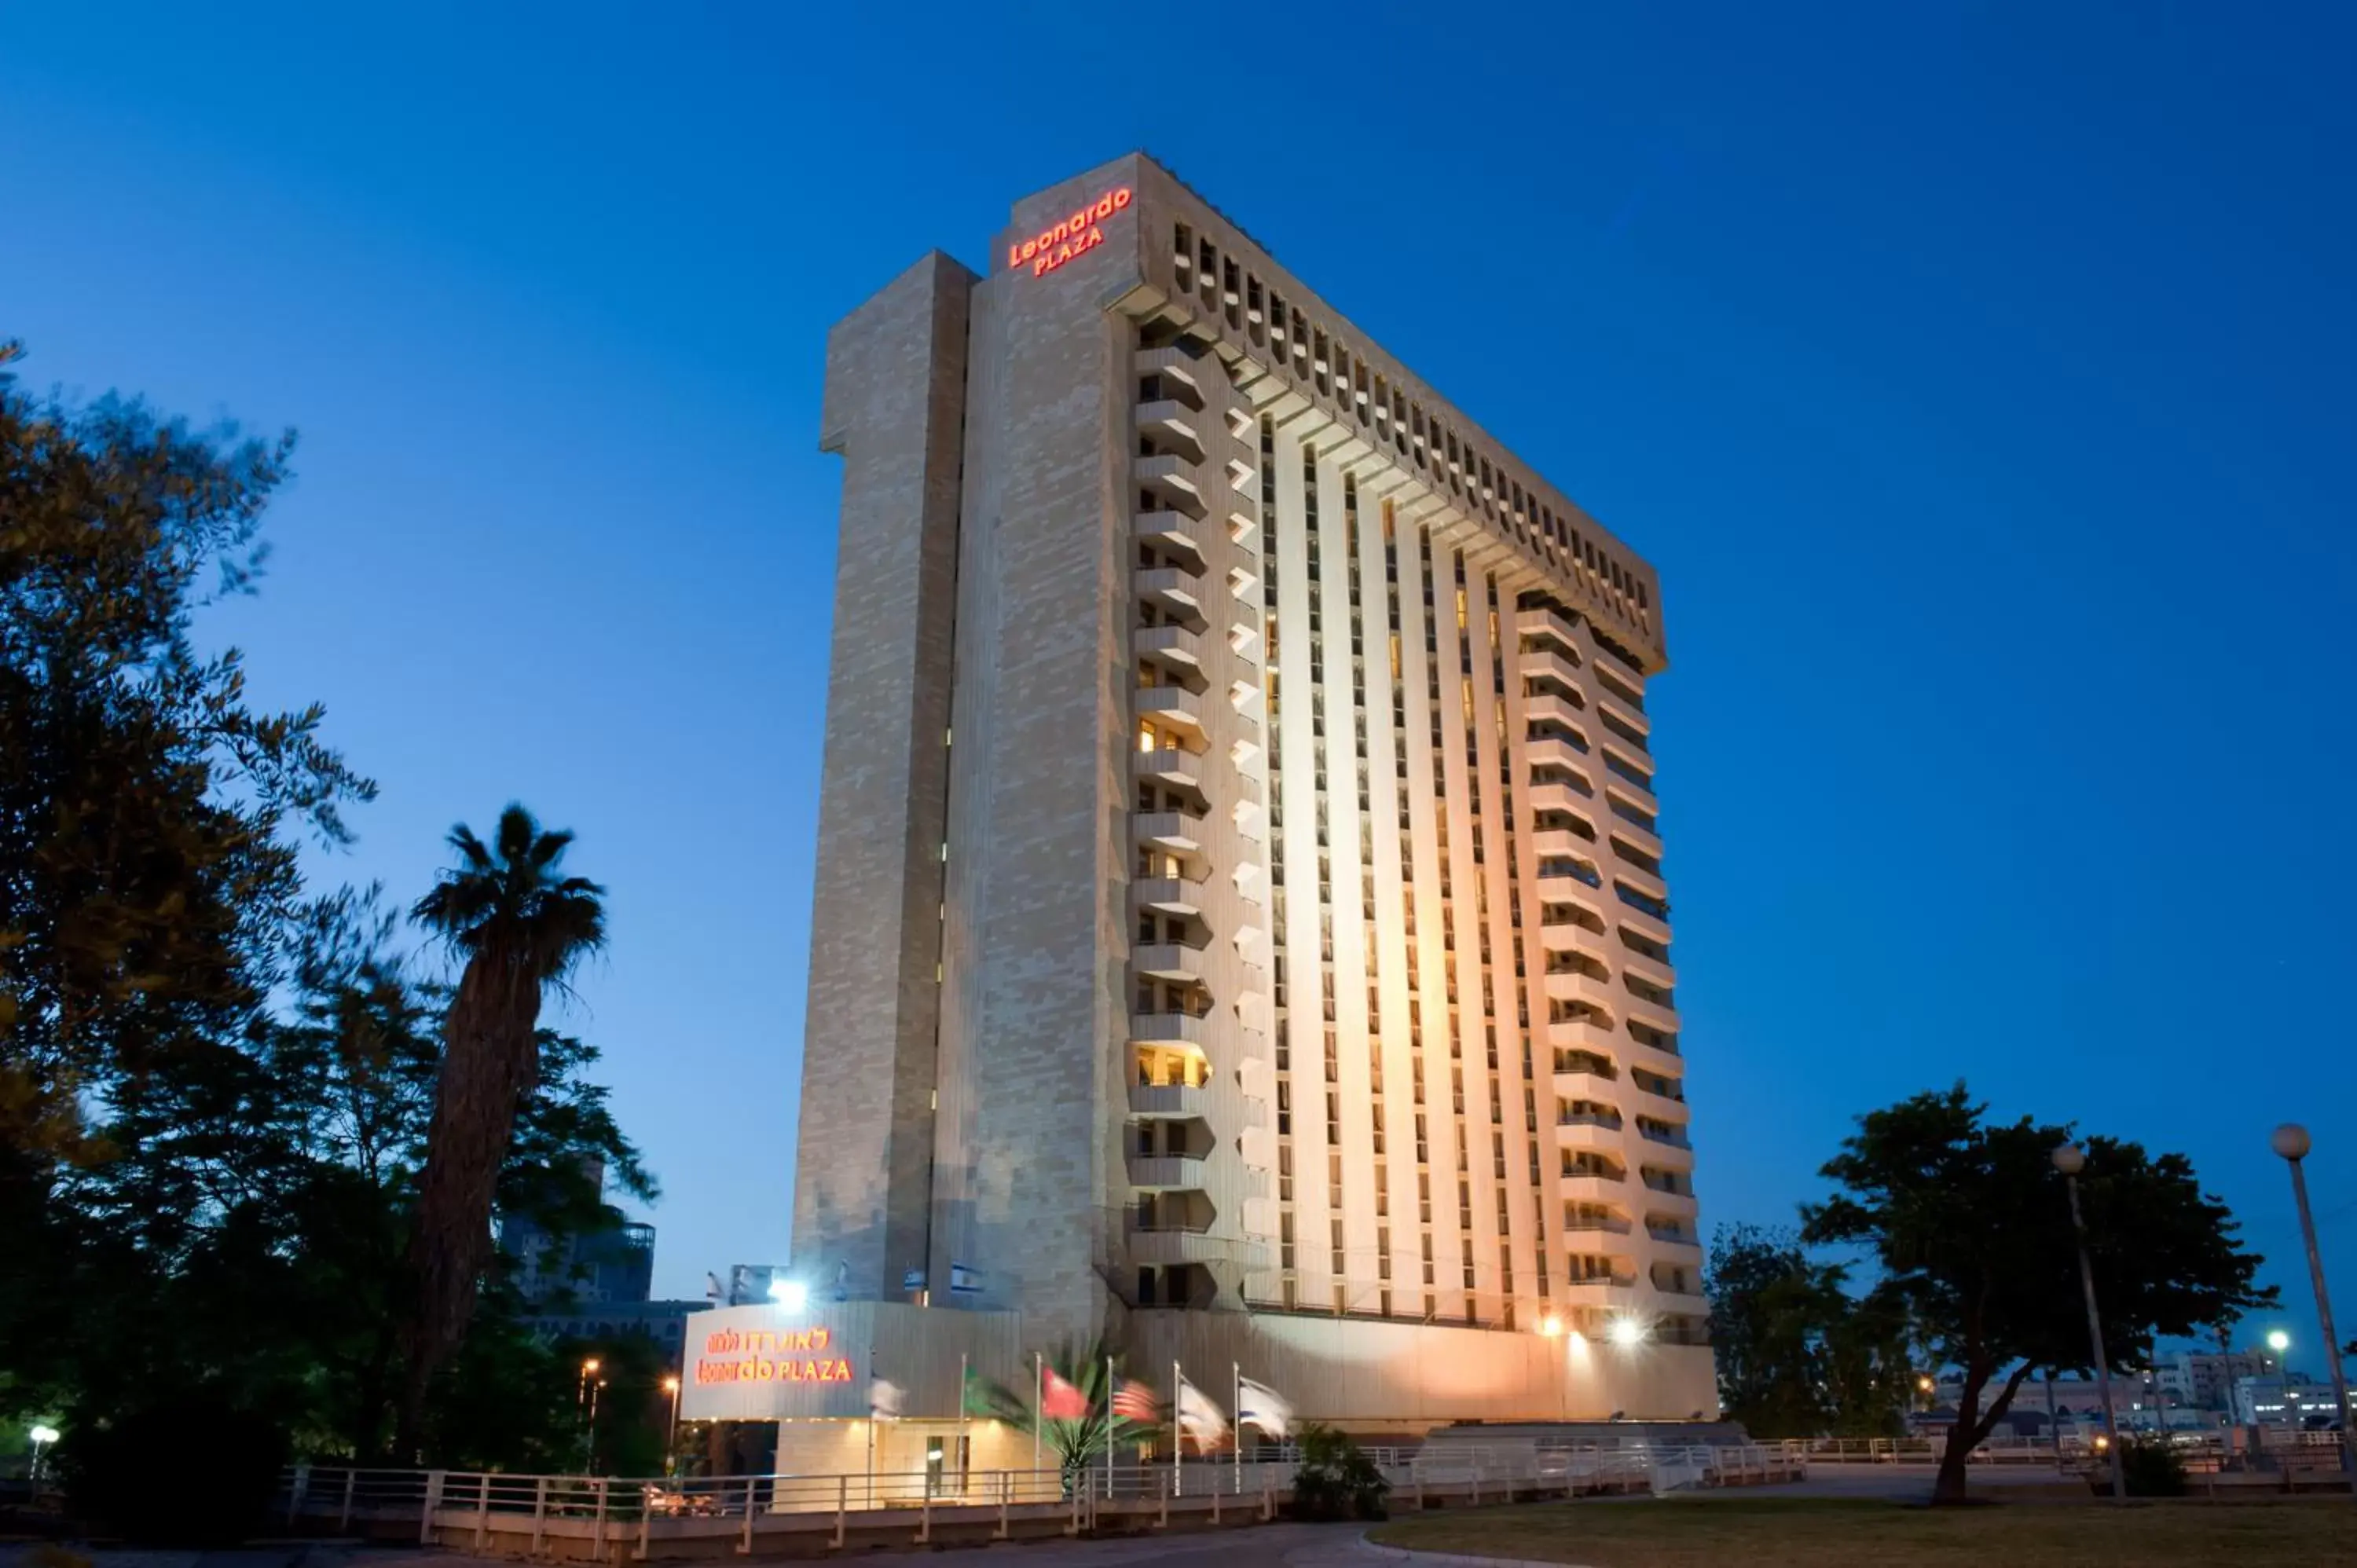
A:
(1259, 1405)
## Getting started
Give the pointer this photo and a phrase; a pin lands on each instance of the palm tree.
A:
(520, 926)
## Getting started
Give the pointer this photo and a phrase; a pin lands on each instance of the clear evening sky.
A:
(1977, 376)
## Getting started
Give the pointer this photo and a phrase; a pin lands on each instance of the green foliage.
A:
(1078, 1443)
(1971, 1225)
(2152, 1468)
(215, 1490)
(214, 1091)
(1336, 1479)
(1799, 1355)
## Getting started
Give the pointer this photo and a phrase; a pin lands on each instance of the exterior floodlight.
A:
(1628, 1332)
(2278, 1342)
(1551, 1326)
(792, 1295)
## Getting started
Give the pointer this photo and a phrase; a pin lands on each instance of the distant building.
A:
(664, 1322)
(2206, 1378)
(2290, 1401)
(595, 1284)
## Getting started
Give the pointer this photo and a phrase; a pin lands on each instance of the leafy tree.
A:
(1336, 1478)
(1972, 1228)
(521, 925)
(1799, 1355)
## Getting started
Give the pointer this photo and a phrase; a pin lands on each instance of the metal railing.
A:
(604, 1516)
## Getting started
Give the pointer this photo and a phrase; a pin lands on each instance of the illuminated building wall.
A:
(1240, 925)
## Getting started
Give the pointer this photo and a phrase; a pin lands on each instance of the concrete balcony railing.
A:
(1545, 661)
(1173, 707)
(1173, 422)
(1175, 831)
(1593, 1224)
(1167, 961)
(1587, 1085)
(1173, 766)
(1616, 1291)
(1176, 1102)
(1682, 1205)
(1179, 593)
(1674, 1241)
(1556, 796)
(1542, 622)
(1631, 836)
(1667, 1136)
(1573, 986)
(1173, 647)
(1629, 783)
(1165, 1245)
(1563, 844)
(1648, 968)
(1176, 480)
(1166, 1172)
(1594, 1188)
(1590, 1133)
(1168, 1029)
(1549, 707)
(1555, 751)
(1168, 894)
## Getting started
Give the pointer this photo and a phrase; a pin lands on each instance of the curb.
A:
(1451, 1559)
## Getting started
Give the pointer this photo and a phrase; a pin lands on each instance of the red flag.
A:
(1135, 1401)
(1060, 1401)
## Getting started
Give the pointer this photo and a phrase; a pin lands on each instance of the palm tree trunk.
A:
(490, 1061)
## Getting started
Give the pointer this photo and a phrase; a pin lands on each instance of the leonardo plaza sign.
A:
(1075, 235)
(824, 1362)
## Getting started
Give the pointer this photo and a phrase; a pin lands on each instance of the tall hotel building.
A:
(1240, 928)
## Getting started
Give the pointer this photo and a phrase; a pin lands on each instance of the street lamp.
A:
(670, 1440)
(42, 1437)
(2279, 1341)
(2069, 1161)
(2290, 1140)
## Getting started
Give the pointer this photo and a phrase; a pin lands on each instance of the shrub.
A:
(2152, 1468)
(1336, 1479)
(194, 1471)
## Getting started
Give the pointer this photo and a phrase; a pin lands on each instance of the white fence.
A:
(610, 1518)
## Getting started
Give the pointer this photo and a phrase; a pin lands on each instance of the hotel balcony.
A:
(1594, 1189)
(1651, 970)
(1576, 987)
(1587, 1132)
(1179, 593)
(1674, 1243)
(1559, 797)
(1171, 363)
(1619, 1290)
(1667, 1148)
(1586, 1086)
(1168, 894)
(1577, 1035)
(1642, 840)
(1555, 751)
(1173, 767)
(1673, 1205)
(1174, 831)
(1175, 648)
(1167, 961)
(1171, 1102)
(1166, 1172)
(1164, 1245)
(1173, 707)
(1548, 706)
(1551, 661)
(1630, 783)
(1173, 424)
(1168, 1029)
(1171, 480)
(1657, 1015)
(1175, 533)
(1543, 622)
(1562, 843)
(1612, 701)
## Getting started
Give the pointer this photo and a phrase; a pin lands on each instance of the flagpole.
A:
(961, 1448)
(1108, 1432)
(1236, 1409)
(1039, 1383)
(1178, 1431)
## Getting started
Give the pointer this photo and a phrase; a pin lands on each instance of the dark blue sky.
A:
(1978, 376)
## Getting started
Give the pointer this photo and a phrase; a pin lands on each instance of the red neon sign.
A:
(748, 1364)
(1069, 237)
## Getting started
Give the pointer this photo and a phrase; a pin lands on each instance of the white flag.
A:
(1261, 1406)
(1199, 1417)
(884, 1399)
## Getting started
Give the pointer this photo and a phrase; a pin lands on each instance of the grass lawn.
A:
(1802, 1532)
